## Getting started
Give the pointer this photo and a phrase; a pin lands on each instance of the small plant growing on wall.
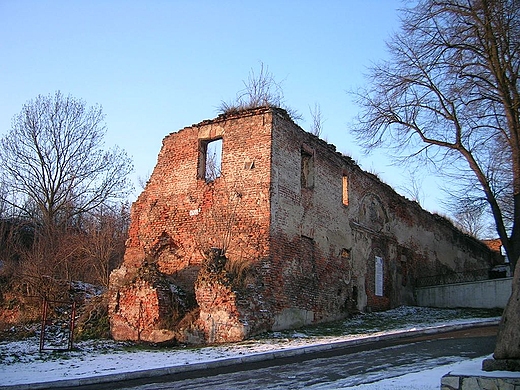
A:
(261, 89)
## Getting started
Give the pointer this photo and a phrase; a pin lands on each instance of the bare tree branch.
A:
(317, 120)
(452, 84)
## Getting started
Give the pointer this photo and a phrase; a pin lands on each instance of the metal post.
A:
(44, 320)
(71, 324)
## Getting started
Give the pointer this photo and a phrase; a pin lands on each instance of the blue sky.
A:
(158, 66)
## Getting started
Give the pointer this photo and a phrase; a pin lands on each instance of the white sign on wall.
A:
(379, 277)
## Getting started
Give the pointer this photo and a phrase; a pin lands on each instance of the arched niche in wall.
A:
(372, 213)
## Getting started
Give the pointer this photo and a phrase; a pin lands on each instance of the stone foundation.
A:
(501, 365)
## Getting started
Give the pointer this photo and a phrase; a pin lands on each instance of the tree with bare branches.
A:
(260, 90)
(414, 189)
(54, 163)
(317, 120)
(56, 175)
(103, 242)
(450, 96)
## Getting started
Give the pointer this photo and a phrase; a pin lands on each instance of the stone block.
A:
(449, 382)
(502, 381)
(501, 365)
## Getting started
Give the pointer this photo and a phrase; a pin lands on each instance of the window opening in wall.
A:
(307, 170)
(379, 276)
(210, 160)
(345, 190)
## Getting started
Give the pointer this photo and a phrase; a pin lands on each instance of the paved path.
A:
(348, 366)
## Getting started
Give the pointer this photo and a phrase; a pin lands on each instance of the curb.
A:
(263, 356)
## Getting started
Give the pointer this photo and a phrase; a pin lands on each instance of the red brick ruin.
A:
(276, 231)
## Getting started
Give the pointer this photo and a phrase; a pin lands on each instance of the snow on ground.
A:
(22, 363)
(426, 379)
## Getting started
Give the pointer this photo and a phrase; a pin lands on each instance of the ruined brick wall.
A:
(331, 224)
(179, 215)
(304, 234)
(413, 243)
(311, 262)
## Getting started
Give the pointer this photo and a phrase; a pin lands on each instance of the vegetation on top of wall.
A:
(260, 90)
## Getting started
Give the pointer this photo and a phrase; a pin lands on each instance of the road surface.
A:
(335, 368)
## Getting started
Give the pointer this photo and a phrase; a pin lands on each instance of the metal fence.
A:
(57, 328)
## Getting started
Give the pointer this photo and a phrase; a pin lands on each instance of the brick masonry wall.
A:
(311, 266)
(179, 215)
(324, 251)
(295, 251)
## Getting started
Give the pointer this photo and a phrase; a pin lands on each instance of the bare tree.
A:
(213, 153)
(471, 219)
(450, 96)
(317, 120)
(260, 90)
(15, 234)
(143, 180)
(103, 243)
(414, 189)
(57, 173)
(53, 159)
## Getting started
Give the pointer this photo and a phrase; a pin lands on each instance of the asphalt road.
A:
(342, 367)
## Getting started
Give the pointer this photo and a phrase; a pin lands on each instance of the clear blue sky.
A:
(158, 66)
